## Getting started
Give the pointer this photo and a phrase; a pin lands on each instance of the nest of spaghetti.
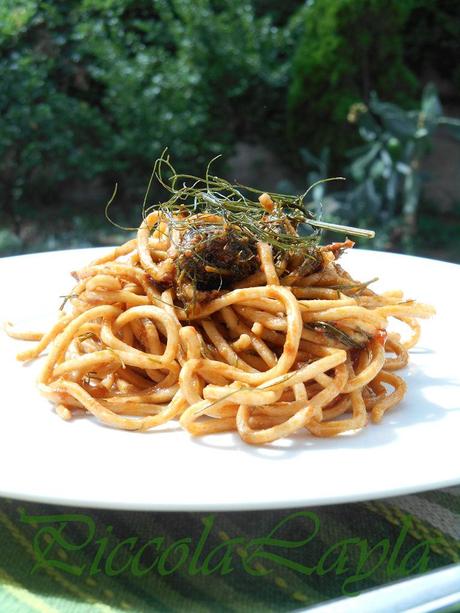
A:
(199, 319)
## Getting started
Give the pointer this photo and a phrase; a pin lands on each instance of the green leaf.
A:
(359, 167)
(452, 125)
(431, 105)
(394, 119)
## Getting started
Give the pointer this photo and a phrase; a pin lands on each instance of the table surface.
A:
(70, 559)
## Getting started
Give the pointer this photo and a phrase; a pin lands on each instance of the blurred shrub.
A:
(97, 88)
(347, 49)
(386, 177)
(432, 39)
(46, 135)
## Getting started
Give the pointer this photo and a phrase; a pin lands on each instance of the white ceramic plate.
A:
(83, 463)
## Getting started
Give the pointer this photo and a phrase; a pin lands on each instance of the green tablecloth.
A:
(55, 558)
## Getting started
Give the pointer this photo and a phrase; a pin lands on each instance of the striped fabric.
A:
(55, 559)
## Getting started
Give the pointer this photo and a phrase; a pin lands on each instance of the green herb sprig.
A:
(236, 205)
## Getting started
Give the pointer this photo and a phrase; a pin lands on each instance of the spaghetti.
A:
(274, 342)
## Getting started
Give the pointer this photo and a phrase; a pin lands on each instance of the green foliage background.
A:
(97, 88)
(93, 90)
(347, 50)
